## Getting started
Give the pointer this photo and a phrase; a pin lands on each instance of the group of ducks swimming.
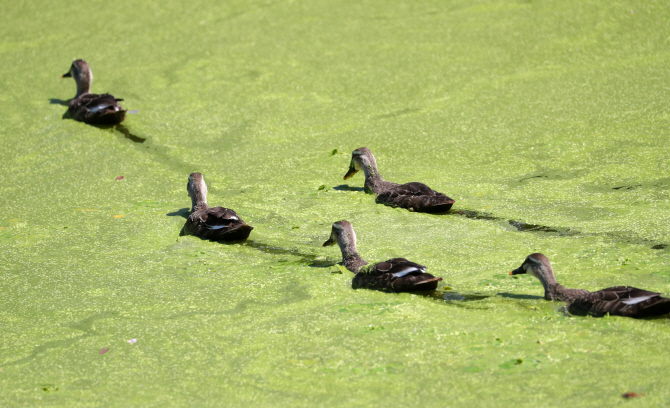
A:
(394, 275)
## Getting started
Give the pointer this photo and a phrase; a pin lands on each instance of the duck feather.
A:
(217, 223)
(625, 301)
(97, 109)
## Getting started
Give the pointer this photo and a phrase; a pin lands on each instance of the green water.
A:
(551, 114)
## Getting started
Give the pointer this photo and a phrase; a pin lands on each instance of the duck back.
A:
(620, 301)
(416, 197)
(395, 275)
(97, 109)
(218, 224)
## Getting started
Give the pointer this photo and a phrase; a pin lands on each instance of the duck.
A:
(413, 196)
(394, 275)
(624, 301)
(92, 108)
(217, 223)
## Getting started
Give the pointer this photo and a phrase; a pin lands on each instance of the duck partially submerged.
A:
(395, 275)
(618, 300)
(91, 108)
(413, 196)
(218, 223)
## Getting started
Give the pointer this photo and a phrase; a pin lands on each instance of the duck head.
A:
(81, 72)
(537, 265)
(343, 234)
(362, 159)
(197, 190)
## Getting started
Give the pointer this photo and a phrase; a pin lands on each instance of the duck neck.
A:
(199, 201)
(370, 170)
(373, 180)
(553, 291)
(560, 292)
(83, 88)
(350, 258)
(548, 280)
(353, 262)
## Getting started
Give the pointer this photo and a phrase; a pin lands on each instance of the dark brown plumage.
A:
(618, 300)
(413, 196)
(394, 275)
(621, 301)
(91, 108)
(218, 223)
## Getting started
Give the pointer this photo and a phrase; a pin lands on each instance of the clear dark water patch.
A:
(476, 215)
(125, 132)
(346, 187)
(519, 225)
(532, 177)
(525, 227)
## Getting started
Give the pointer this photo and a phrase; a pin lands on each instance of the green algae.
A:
(546, 121)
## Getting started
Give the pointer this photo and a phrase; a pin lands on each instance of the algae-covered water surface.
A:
(546, 121)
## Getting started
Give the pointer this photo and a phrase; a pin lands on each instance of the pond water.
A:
(547, 122)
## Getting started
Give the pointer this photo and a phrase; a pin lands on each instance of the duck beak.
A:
(330, 242)
(68, 75)
(351, 172)
(518, 271)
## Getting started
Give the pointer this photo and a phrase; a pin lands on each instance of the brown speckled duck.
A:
(413, 196)
(618, 300)
(218, 223)
(395, 275)
(91, 108)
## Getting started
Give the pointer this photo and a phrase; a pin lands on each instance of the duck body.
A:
(92, 108)
(97, 109)
(394, 275)
(620, 301)
(413, 196)
(215, 223)
(624, 301)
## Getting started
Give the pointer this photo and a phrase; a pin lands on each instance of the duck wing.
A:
(97, 109)
(395, 275)
(218, 223)
(415, 196)
(621, 301)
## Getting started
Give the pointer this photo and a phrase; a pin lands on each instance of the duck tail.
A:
(239, 233)
(417, 283)
(432, 204)
(659, 307)
(107, 117)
